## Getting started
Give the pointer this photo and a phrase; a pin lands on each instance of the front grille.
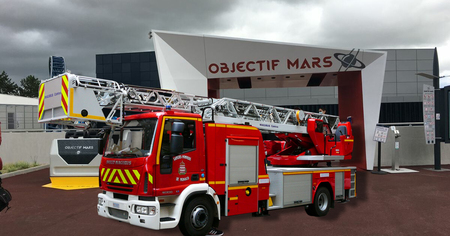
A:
(118, 213)
(121, 185)
(121, 189)
(120, 196)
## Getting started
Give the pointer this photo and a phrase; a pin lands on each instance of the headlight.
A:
(100, 201)
(145, 210)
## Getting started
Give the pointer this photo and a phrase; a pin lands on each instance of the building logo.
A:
(349, 60)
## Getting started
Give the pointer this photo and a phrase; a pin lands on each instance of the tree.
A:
(29, 87)
(7, 86)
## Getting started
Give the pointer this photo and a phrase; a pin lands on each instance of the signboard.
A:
(429, 121)
(381, 134)
(79, 151)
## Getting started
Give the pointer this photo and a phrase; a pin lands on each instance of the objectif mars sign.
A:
(269, 65)
(345, 61)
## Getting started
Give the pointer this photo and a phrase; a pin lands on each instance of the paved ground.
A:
(394, 204)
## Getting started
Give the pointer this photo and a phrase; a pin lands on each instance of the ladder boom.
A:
(77, 100)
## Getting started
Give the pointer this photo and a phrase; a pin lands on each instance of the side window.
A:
(188, 142)
(189, 135)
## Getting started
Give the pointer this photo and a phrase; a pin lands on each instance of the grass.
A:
(21, 165)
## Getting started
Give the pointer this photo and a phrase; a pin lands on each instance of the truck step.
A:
(167, 204)
(164, 219)
(274, 208)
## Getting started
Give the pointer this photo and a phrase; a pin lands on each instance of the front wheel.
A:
(197, 217)
(321, 205)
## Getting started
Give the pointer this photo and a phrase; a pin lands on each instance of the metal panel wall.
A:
(339, 185)
(297, 189)
(243, 163)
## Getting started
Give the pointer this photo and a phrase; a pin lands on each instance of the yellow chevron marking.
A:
(106, 174)
(112, 175)
(64, 94)
(150, 178)
(101, 173)
(64, 109)
(116, 180)
(137, 174)
(130, 176)
(122, 177)
(41, 88)
(41, 101)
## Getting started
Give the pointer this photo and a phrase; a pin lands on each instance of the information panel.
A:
(381, 134)
(429, 114)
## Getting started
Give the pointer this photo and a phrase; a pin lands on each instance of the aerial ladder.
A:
(82, 101)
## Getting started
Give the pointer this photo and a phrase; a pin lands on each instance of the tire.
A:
(322, 203)
(197, 217)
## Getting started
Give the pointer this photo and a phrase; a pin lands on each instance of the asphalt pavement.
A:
(393, 204)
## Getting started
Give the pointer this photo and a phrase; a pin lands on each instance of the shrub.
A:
(7, 168)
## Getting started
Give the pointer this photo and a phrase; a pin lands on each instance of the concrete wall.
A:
(413, 150)
(35, 146)
(27, 146)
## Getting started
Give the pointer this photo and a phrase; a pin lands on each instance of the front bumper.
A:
(124, 210)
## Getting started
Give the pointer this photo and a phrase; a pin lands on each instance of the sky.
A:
(31, 31)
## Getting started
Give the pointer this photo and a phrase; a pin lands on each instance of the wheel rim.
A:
(199, 217)
(322, 201)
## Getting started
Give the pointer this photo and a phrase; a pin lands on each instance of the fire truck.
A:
(173, 159)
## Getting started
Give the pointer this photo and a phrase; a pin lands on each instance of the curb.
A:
(25, 171)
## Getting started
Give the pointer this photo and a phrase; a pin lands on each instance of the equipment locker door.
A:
(242, 175)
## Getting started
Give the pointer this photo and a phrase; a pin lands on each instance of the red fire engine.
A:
(177, 159)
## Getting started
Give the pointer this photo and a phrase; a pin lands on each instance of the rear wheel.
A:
(197, 217)
(321, 205)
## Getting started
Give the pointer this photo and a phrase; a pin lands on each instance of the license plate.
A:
(116, 205)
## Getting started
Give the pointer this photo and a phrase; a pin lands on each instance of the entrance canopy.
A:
(202, 65)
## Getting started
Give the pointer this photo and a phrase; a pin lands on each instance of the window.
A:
(188, 136)
(134, 139)
(189, 144)
(11, 121)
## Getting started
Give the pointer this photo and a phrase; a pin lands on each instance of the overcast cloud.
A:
(31, 31)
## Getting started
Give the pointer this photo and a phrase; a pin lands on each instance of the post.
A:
(437, 144)
(379, 171)
(380, 136)
(379, 156)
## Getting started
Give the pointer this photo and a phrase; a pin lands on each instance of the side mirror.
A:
(177, 127)
(176, 140)
(176, 144)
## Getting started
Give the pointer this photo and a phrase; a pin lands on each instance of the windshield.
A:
(134, 139)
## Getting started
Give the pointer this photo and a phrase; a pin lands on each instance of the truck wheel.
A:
(197, 217)
(321, 205)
